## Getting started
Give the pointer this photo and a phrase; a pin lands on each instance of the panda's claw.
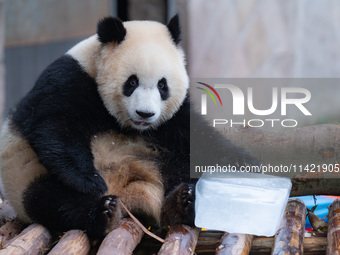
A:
(107, 202)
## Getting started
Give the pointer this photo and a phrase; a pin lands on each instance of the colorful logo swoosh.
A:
(209, 93)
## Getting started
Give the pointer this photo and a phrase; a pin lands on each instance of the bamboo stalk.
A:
(289, 237)
(73, 242)
(34, 240)
(333, 235)
(122, 240)
(181, 240)
(234, 244)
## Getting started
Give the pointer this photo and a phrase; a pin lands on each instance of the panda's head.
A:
(140, 71)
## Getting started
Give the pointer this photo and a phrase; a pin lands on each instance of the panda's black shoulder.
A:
(64, 91)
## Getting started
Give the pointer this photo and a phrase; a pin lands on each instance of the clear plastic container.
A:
(245, 203)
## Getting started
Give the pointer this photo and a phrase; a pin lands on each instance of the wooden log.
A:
(6, 212)
(312, 144)
(289, 238)
(9, 231)
(73, 242)
(333, 235)
(310, 244)
(122, 240)
(181, 240)
(34, 240)
(234, 244)
(317, 186)
(209, 240)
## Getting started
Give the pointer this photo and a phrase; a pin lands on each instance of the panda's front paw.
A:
(179, 206)
(111, 212)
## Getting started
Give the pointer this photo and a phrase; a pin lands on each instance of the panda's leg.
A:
(60, 208)
(179, 206)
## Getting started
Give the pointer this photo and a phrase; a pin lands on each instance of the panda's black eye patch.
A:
(163, 88)
(130, 85)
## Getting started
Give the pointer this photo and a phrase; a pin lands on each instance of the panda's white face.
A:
(144, 103)
(142, 80)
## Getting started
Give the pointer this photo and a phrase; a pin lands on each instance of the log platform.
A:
(128, 238)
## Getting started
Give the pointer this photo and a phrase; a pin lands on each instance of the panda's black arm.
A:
(176, 136)
(58, 118)
(66, 154)
(211, 148)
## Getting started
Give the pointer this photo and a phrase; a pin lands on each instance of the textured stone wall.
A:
(263, 38)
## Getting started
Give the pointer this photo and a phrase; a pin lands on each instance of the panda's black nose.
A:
(145, 114)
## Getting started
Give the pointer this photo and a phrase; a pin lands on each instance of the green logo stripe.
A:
(209, 94)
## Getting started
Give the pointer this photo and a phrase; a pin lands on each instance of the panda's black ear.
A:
(175, 29)
(111, 29)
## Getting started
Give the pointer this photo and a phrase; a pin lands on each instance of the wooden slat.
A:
(181, 240)
(73, 242)
(333, 235)
(289, 237)
(9, 231)
(34, 240)
(234, 244)
(122, 240)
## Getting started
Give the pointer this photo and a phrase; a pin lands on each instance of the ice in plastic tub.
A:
(245, 203)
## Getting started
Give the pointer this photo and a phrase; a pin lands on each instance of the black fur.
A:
(58, 117)
(111, 29)
(130, 85)
(163, 88)
(175, 30)
(60, 208)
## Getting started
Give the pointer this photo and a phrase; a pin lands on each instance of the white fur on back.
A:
(19, 167)
(85, 53)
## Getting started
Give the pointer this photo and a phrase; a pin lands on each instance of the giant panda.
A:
(108, 120)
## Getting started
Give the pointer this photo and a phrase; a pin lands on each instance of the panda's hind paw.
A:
(179, 206)
(110, 212)
(185, 197)
(109, 206)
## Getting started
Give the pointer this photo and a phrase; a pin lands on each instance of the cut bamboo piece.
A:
(181, 240)
(333, 235)
(234, 244)
(122, 240)
(289, 237)
(34, 240)
(9, 231)
(73, 242)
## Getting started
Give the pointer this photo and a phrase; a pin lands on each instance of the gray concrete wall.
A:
(39, 21)
(2, 68)
(38, 32)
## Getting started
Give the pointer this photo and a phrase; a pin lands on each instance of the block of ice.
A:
(245, 203)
